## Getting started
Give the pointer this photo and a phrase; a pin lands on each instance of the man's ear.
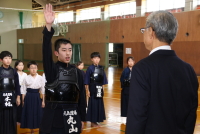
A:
(56, 53)
(151, 32)
(1, 60)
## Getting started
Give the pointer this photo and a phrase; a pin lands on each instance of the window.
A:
(90, 13)
(110, 47)
(155, 5)
(198, 2)
(122, 9)
(20, 40)
(65, 17)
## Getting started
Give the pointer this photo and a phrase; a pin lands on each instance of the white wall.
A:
(8, 29)
(38, 19)
(11, 23)
(8, 42)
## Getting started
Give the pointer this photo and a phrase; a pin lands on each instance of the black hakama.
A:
(125, 91)
(96, 111)
(19, 110)
(8, 120)
(53, 121)
(32, 110)
(124, 101)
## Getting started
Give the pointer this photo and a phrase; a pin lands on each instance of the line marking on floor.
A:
(114, 128)
(104, 125)
(111, 98)
(111, 93)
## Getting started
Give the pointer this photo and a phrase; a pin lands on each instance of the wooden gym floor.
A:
(114, 124)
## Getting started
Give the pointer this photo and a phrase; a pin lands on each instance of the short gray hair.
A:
(164, 24)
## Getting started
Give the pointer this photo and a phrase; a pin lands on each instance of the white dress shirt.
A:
(34, 83)
(166, 47)
(21, 77)
(44, 77)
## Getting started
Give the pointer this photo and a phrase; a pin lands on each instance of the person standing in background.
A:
(19, 66)
(95, 78)
(125, 83)
(9, 95)
(32, 104)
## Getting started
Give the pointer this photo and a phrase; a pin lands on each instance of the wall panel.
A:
(116, 31)
(87, 49)
(189, 52)
(93, 38)
(131, 29)
(138, 51)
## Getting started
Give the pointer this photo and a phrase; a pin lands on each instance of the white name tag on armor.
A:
(5, 80)
(99, 93)
(7, 99)
(71, 121)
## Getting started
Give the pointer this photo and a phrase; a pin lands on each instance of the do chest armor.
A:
(7, 80)
(97, 75)
(126, 82)
(65, 88)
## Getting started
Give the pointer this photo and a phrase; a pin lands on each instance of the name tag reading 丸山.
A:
(7, 99)
(72, 121)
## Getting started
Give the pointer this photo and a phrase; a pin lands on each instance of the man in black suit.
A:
(163, 91)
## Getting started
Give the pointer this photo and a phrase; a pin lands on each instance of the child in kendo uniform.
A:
(19, 66)
(9, 95)
(125, 83)
(31, 88)
(95, 78)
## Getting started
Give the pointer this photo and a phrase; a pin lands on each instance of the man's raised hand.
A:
(49, 16)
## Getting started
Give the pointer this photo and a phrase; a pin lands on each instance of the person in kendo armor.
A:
(65, 107)
(9, 95)
(125, 83)
(80, 65)
(95, 78)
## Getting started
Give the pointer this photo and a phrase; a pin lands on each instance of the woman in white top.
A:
(44, 77)
(19, 66)
(31, 102)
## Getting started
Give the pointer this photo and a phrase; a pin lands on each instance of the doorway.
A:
(116, 54)
(76, 53)
(20, 52)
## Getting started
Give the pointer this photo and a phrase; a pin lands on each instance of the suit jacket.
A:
(163, 96)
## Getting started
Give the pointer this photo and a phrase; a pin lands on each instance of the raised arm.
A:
(49, 16)
(48, 64)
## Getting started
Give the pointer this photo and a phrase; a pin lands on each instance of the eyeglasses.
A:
(143, 29)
